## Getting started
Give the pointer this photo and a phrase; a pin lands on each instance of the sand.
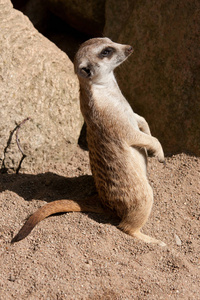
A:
(85, 256)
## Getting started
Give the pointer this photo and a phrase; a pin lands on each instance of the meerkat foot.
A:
(147, 239)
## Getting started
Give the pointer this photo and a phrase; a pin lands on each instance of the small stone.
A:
(177, 239)
(89, 262)
(12, 278)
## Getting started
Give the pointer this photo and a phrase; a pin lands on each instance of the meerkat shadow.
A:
(50, 187)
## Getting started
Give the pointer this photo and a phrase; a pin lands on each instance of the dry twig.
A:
(18, 144)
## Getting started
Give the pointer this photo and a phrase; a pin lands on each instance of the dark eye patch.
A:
(106, 52)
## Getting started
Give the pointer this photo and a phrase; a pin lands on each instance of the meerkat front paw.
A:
(159, 151)
(160, 156)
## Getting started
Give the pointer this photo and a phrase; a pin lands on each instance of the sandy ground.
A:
(85, 256)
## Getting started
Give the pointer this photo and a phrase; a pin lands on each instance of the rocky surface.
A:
(37, 80)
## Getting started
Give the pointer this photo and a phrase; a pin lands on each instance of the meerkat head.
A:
(98, 57)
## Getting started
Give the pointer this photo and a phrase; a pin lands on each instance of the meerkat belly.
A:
(119, 174)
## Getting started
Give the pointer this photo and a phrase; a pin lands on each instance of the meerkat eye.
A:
(106, 52)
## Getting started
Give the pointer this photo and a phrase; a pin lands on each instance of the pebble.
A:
(89, 262)
(177, 239)
(12, 278)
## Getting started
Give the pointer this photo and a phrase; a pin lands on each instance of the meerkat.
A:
(118, 141)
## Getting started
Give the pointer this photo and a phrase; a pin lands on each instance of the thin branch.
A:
(17, 139)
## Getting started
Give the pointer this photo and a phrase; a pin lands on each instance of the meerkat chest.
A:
(114, 106)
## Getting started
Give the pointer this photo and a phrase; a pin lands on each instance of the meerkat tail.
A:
(57, 207)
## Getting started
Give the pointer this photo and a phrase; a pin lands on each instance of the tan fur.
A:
(118, 140)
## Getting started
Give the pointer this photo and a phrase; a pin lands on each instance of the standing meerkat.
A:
(118, 141)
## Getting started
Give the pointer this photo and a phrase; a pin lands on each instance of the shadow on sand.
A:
(50, 187)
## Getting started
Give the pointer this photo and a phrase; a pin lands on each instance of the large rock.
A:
(161, 78)
(36, 81)
(86, 15)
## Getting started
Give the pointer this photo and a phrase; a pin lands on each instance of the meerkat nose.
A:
(129, 50)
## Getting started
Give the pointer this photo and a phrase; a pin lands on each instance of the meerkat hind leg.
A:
(133, 229)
